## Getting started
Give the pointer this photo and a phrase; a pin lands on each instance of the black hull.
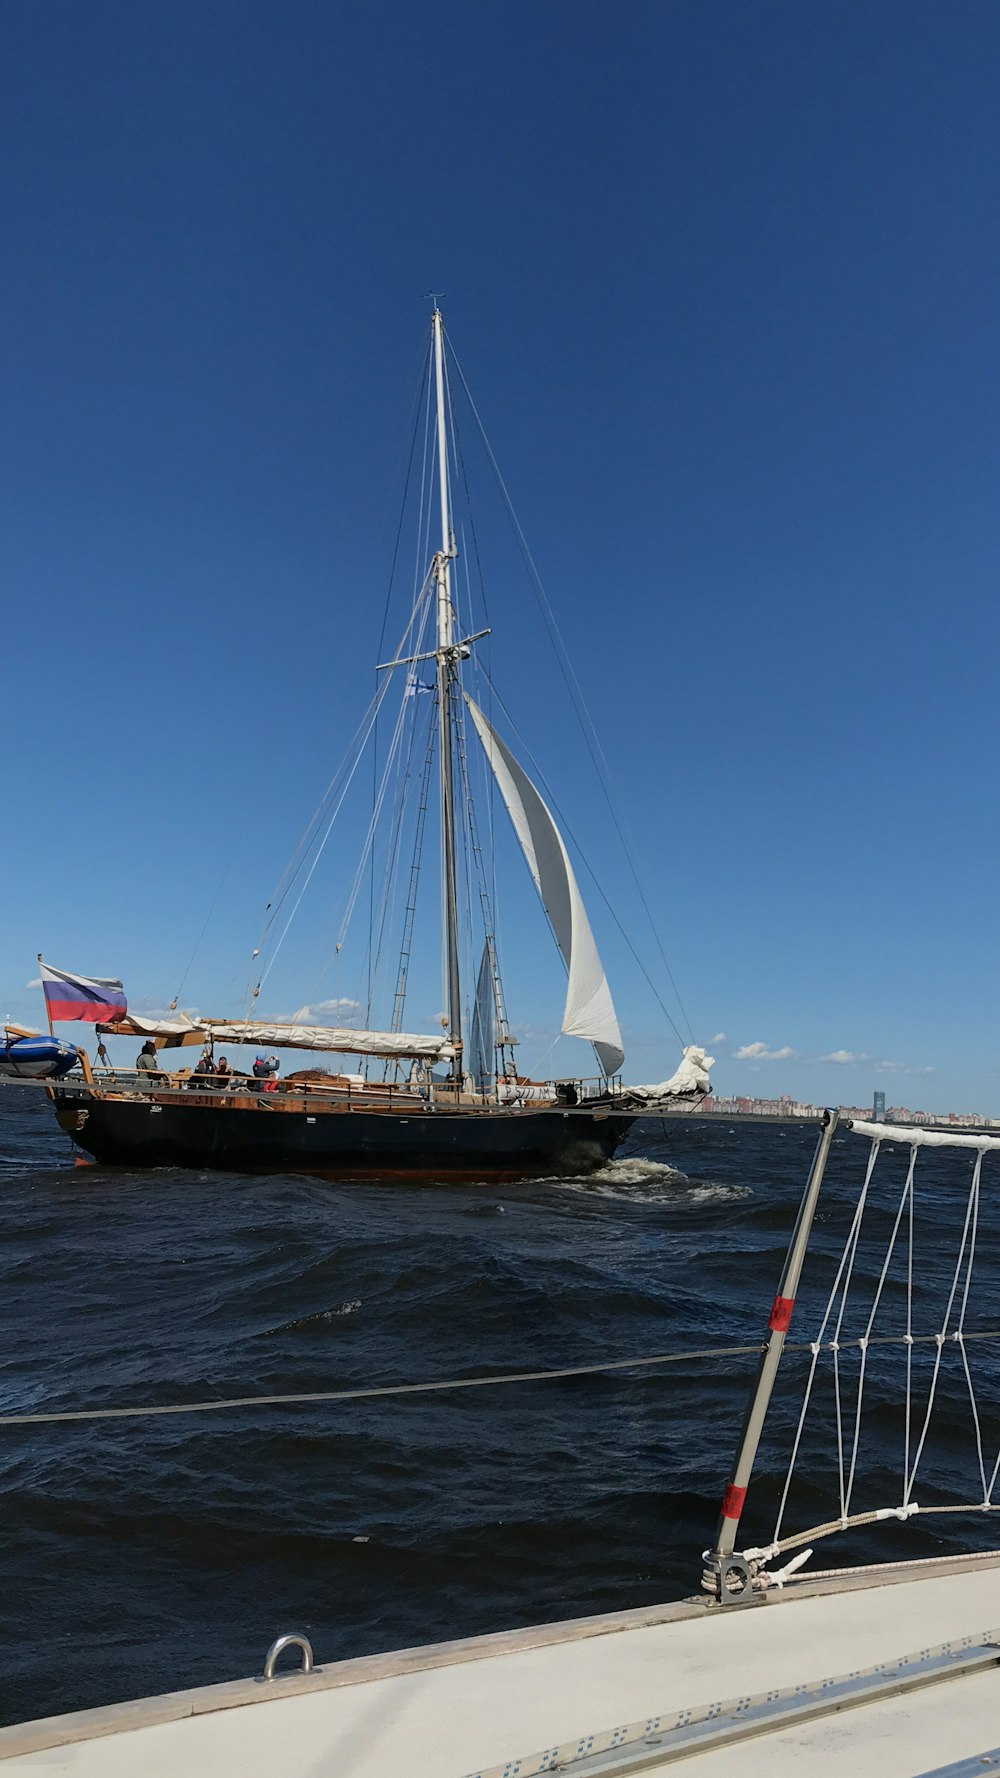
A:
(514, 1144)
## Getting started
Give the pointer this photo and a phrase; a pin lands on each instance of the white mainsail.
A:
(589, 1011)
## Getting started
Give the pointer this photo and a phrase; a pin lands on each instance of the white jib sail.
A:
(480, 1057)
(589, 1010)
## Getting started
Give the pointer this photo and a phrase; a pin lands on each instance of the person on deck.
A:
(145, 1062)
(205, 1065)
(223, 1074)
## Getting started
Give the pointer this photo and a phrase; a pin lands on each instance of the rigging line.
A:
(423, 377)
(853, 1241)
(456, 440)
(410, 911)
(593, 875)
(818, 1345)
(874, 1516)
(877, 1298)
(438, 1386)
(356, 745)
(422, 383)
(208, 918)
(973, 1193)
(376, 812)
(322, 845)
(311, 828)
(577, 698)
(390, 880)
(459, 454)
(977, 1174)
(369, 843)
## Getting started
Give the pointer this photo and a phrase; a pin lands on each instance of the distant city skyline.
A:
(786, 1106)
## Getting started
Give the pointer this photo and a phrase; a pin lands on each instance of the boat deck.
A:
(559, 1697)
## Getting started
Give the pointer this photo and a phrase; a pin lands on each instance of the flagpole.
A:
(48, 1015)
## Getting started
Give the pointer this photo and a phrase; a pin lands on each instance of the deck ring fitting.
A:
(292, 1640)
(735, 1584)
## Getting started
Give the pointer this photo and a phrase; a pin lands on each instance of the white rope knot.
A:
(939, 1339)
(863, 1343)
(908, 1339)
(780, 1575)
(815, 1348)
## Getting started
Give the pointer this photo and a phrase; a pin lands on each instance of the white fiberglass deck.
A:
(469, 1707)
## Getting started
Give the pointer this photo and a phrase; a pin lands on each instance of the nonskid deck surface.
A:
(508, 1702)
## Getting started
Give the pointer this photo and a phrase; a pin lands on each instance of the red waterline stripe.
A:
(781, 1314)
(732, 1502)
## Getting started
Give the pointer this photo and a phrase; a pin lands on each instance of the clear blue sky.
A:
(724, 278)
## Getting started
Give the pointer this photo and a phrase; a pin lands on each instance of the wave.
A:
(637, 1179)
(298, 1322)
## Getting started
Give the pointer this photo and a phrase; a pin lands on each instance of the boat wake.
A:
(637, 1179)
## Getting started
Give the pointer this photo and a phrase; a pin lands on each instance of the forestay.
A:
(589, 1011)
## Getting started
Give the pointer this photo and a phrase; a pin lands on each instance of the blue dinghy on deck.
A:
(36, 1058)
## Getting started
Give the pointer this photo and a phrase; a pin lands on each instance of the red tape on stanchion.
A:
(781, 1314)
(732, 1502)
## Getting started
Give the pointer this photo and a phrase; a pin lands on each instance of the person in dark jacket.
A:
(203, 1072)
(145, 1062)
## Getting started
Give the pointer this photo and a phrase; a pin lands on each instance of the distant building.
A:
(878, 1108)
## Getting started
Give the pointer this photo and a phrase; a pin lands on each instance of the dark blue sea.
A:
(147, 1555)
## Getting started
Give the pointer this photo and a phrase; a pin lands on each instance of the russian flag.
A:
(78, 997)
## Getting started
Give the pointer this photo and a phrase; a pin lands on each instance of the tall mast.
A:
(445, 676)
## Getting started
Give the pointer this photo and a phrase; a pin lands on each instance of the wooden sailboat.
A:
(481, 1119)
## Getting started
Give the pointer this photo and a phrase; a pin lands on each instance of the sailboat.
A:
(449, 1102)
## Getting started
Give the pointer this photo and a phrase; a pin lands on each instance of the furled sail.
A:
(589, 1011)
(179, 1029)
(328, 1037)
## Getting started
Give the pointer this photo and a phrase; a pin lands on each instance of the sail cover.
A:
(589, 1011)
(180, 1029)
(327, 1037)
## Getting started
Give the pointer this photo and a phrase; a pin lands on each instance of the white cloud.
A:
(900, 1068)
(720, 1037)
(845, 1057)
(759, 1052)
(342, 1011)
(36, 983)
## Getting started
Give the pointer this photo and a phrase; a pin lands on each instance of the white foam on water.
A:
(636, 1169)
(636, 1179)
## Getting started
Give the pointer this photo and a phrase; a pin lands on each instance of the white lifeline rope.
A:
(969, 1226)
(816, 1346)
(850, 1254)
(915, 1137)
(960, 1330)
(907, 1196)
